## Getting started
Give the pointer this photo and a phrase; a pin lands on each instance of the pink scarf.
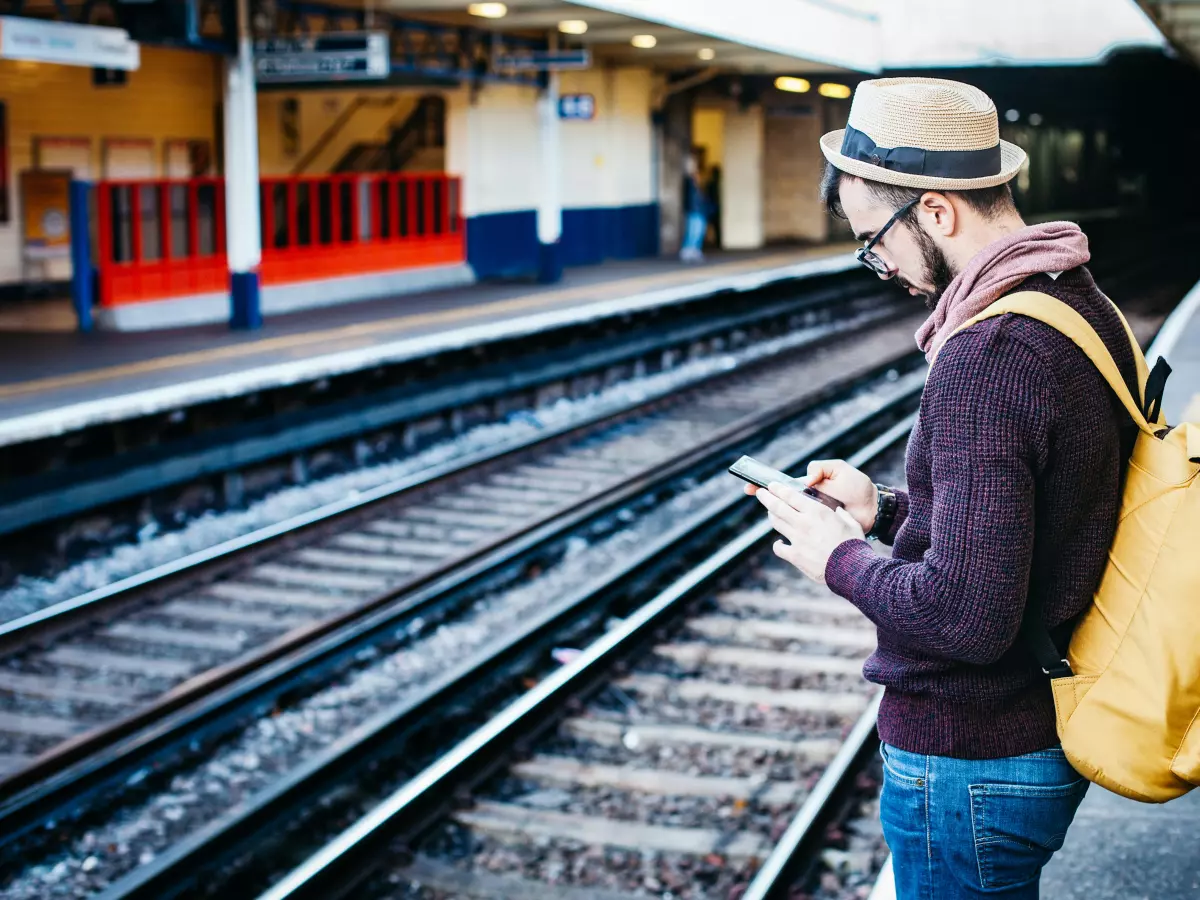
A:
(998, 267)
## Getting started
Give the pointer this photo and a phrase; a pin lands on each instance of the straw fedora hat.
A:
(923, 133)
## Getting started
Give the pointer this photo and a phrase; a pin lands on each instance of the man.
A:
(1014, 471)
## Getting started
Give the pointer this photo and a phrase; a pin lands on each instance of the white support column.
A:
(549, 209)
(243, 244)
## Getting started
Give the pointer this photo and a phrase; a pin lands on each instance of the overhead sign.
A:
(546, 60)
(339, 56)
(577, 106)
(95, 46)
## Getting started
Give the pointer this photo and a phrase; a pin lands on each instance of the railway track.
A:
(175, 638)
(698, 749)
(311, 757)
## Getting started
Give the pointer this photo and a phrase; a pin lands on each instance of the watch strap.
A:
(885, 512)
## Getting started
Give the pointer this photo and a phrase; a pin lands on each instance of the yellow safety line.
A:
(233, 351)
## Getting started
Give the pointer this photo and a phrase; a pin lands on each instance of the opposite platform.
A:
(53, 383)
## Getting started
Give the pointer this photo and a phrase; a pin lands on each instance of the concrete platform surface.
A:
(1119, 849)
(1179, 342)
(53, 382)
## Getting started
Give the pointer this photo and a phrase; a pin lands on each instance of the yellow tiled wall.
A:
(173, 96)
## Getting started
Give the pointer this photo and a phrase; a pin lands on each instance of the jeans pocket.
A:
(1018, 827)
(908, 768)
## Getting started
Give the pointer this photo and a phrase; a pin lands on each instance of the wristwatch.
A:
(885, 512)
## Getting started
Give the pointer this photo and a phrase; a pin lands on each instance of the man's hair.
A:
(988, 202)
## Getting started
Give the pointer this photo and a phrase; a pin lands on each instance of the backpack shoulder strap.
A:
(1053, 312)
(1139, 358)
(1062, 318)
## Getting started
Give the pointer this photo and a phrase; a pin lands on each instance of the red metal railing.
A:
(338, 225)
(160, 239)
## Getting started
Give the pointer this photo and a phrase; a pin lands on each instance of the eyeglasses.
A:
(871, 259)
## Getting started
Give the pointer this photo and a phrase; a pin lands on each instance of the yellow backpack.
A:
(1128, 694)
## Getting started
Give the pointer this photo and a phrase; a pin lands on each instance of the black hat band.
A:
(914, 161)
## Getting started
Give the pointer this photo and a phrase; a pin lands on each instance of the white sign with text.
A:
(70, 45)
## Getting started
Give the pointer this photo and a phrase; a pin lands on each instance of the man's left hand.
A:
(812, 529)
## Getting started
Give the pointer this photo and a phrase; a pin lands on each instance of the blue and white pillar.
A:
(549, 209)
(243, 243)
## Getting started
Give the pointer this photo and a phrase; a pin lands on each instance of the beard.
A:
(937, 271)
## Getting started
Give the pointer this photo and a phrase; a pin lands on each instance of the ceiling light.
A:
(792, 85)
(836, 91)
(572, 26)
(488, 10)
(707, 53)
(644, 41)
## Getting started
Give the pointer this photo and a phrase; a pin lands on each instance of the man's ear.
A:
(939, 212)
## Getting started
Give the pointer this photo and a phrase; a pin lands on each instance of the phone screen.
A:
(750, 469)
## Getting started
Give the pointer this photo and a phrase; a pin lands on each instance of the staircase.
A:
(417, 145)
(364, 118)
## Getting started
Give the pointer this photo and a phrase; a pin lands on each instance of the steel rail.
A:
(348, 859)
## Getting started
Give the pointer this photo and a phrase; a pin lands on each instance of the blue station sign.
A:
(577, 107)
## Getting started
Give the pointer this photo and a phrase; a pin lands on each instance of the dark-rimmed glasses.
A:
(872, 260)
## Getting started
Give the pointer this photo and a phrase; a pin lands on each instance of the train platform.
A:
(54, 382)
(1119, 849)
(1179, 342)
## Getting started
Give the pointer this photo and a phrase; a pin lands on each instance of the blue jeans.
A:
(693, 238)
(983, 828)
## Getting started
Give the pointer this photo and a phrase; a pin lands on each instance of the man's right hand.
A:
(842, 481)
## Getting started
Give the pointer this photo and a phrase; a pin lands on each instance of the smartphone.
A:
(750, 469)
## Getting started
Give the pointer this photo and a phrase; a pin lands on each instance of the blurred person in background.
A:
(713, 190)
(695, 212)
(1014, 471)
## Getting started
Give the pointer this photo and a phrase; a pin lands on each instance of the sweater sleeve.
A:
(989, 410)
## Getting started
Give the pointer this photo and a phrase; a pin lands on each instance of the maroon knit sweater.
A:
(1014, 473)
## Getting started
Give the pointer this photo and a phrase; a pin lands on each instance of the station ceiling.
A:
(829, 35)
(684, 38)
(1179, 20)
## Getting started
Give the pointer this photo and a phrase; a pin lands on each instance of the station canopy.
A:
(1180, 22)
(820, 35)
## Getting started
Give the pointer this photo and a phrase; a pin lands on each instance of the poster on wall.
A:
(127, 158)
(185, 158)
(72, 154)
(5, 207)
(200, 158)
(45, 204)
